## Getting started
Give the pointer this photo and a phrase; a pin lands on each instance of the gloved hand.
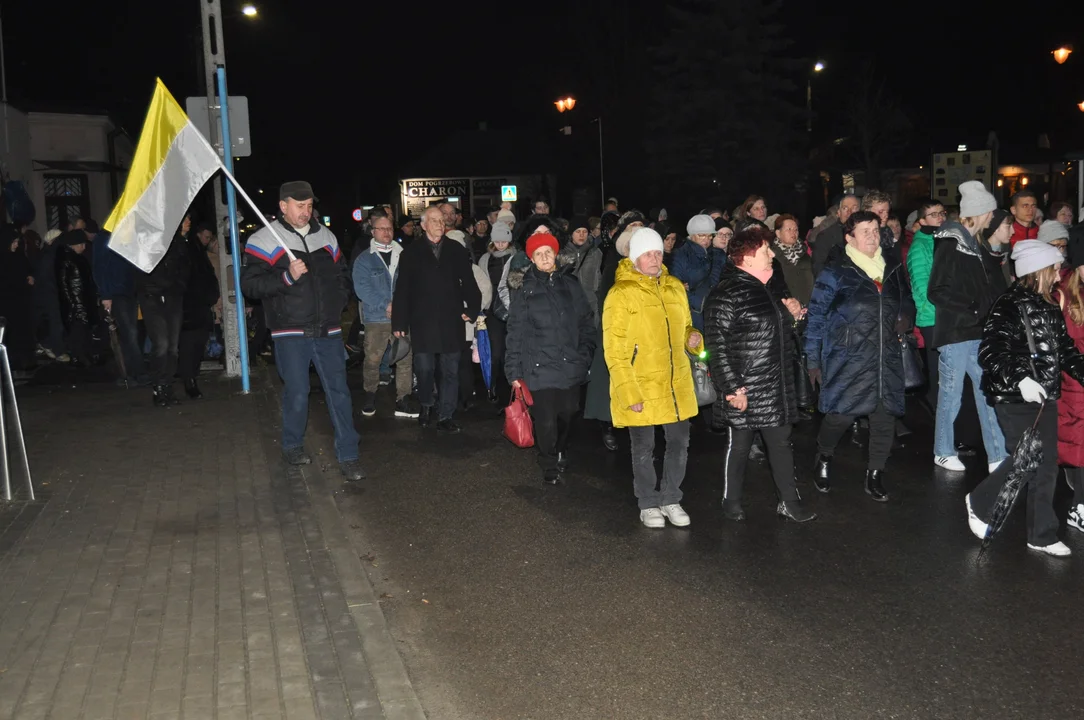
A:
(1031, 391)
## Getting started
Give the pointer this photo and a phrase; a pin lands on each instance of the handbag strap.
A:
(1031, 341)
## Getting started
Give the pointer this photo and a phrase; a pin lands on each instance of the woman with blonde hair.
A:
(1025, 349)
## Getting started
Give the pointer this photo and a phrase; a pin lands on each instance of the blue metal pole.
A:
(235, 245)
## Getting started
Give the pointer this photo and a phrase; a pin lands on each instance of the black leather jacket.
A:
(75, 287)
(1004, 354)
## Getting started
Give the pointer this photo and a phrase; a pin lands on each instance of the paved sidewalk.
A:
(173, 567)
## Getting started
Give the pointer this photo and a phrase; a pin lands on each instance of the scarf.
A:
(501, 253)
(762, 275)
(792, 253)
(874, 266)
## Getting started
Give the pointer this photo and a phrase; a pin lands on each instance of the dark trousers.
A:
(49, 326)
(125, 313)
(1075, 477)
(882, 431)
(425, 370)
(293, 356)
(1014, 419)
(931, 358)
(498, 333)
(552, 415)
(78, 341)
(190, 349)
(780, 458)
(466, 373)
(162, 318)
(650, 493)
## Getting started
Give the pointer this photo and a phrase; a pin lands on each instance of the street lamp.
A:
(1081, 106)
(1062, 54)
(567, 103)
(249, 10)
(809, 97)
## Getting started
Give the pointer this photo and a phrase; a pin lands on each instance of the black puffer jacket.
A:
(75, 285)
(965, 280)
(551, 332)
(1004, 354)
(750, 344)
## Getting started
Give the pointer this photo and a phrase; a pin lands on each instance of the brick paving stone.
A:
(173, 567)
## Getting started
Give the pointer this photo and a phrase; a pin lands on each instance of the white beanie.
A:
(644, 240)
(508, 216)
(1033, 255)
(1052, 230)
(975, 199)
(700, 225)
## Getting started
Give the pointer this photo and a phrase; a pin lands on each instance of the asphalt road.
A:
(514, 600)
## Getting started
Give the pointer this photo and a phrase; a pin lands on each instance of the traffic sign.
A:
(508, 193)
(327, 220)
(198, 112)
(357, 215)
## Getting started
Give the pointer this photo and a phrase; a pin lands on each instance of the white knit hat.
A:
(1033, 255)
(700, 225)
(975, 199)
(644, 240)
(1052, 230)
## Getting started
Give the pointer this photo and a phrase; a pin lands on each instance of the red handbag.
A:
(517, 418)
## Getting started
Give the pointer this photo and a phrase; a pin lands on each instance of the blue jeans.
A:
(956, 360)
(293, 355)
(125, 313)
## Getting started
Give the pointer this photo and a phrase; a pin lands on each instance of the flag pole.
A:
(259, 214)
(235, 246)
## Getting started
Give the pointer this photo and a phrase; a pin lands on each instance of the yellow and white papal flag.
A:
(172, 162)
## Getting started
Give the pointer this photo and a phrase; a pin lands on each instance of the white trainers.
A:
(1058, 549)
(949, 462)
(1076, 517)
(675, 514)
(994, 466)
(652, 518)
(978, 527)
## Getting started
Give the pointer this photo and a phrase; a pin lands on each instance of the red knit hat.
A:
(539, 240)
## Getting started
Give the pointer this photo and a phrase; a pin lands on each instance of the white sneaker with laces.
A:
(1058, 549)
(675, 514)
(994, 466)
(1076, 517)
(949, 462)
(652, 518)
(978, 527)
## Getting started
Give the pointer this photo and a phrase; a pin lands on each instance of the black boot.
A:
(425, 417)
(822, 468)
(552, 477)
(609, 440)
(161, 396)
(192, 388)
(794, 511)
(873, 486)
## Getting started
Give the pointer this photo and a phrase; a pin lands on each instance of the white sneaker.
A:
(978, 527)
(949, 462)
(675, 514)
(1076, 517)
(994, 466)
(1058, 549)
(652, 518)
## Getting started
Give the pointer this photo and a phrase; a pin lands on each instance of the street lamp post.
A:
(567, 103)
(809, 97)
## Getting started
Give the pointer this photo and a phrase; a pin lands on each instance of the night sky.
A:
(344, 94)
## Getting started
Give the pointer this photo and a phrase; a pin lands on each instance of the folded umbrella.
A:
(1025, 460)
(485, 352)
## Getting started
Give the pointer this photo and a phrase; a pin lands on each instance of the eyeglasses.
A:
(942, 214)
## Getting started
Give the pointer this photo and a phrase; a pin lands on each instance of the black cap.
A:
(297, 189)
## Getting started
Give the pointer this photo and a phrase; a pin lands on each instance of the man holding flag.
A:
(303, 300)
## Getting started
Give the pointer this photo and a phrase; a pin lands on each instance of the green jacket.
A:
(919, 262)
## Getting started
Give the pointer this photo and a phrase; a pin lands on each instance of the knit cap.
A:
(700, 225)
(1033, 255)
(1052, 230)
(975, 199)
(643, 240)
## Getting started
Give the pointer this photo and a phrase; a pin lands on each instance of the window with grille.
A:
(66, 200)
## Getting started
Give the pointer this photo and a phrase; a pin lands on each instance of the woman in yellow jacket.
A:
(646, 329)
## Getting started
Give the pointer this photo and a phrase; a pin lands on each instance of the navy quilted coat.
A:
(851, 336)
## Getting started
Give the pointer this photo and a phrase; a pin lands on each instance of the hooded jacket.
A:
(646, 325)
(919, 263)
(584, 262)
(965, 280)
(310, 306)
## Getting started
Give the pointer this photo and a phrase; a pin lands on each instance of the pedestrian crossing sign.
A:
(508, 193)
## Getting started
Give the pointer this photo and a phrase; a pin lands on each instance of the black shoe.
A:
(170, 396)
(161, 396)
(609, 440)
(296, 456)
(732, 513)
(822, 469)
(407, 407)
(425, 416)
(449, 426)
(351, 470)
(873, 486)
(368, 409)
(192, 389)
(562, 462)
(794, 511)
(385, 379)
(553, 477)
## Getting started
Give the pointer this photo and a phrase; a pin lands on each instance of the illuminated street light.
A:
(1081, 106)
(809, 97)
(249, 10)
(565, 104)
(818, 67)
(1062, 54)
